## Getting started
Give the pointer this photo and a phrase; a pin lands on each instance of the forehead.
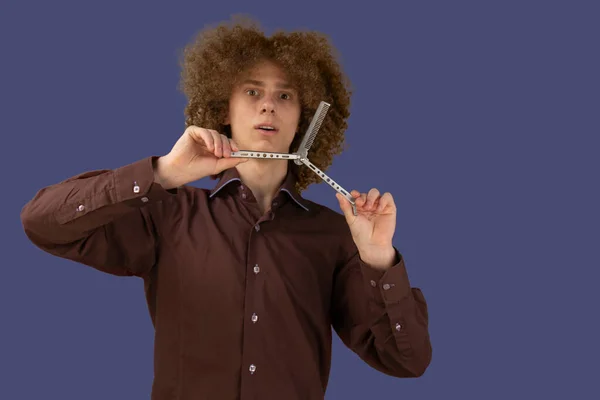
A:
(267, 69)
(267, 73)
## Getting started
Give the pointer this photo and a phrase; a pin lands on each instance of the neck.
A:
(263, 178)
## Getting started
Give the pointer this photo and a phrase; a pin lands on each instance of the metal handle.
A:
(263, 154)
(331, 183)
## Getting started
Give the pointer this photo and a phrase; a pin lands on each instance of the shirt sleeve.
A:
(106, 219)
(381, 318)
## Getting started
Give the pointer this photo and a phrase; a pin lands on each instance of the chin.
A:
(265, 145)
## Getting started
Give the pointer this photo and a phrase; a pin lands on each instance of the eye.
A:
(285, 96)
(251, 92)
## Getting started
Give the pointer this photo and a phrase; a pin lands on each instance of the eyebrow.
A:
(261, 83)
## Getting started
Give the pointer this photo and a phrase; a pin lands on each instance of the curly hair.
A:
(214, 61)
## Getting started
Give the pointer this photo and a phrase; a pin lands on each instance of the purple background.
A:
(482, 119)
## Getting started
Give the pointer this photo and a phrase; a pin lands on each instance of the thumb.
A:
(345, 206)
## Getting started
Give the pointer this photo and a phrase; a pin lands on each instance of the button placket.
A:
(254, 319)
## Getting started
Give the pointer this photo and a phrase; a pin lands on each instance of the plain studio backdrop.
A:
(481, 118)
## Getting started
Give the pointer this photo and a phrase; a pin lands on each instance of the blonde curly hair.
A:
(219, 55)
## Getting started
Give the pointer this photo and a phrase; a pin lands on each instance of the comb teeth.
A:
(314, 126)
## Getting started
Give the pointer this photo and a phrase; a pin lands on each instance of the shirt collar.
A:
(232, 176)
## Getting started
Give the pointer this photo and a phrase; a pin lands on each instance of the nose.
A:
(268, 106)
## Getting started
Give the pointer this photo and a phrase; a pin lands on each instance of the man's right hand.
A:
(198, 153)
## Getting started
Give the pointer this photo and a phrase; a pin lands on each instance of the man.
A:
(245, 281)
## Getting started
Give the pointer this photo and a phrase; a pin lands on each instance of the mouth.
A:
(266, 129)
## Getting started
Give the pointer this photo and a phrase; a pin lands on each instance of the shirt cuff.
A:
(387, 286)
(130, 186)
(134, 184)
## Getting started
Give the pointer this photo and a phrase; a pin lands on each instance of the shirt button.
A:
(252, 368)
(136, 188)
(386, 286)
(254, 318)
(398, 327)
(257, 227)
(144, 199)
(243, 195)
(256, 269)
(81, 207)
(373, 283)
(274, 204)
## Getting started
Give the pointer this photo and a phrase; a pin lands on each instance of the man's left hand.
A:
(373, 227)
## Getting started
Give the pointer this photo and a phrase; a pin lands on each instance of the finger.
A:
(202, 136)
(385, 201)
(371, 198)
(225, 145)
(233, 145)
(375, 207)
(362, 200)
(381, 204)
(218, 143)
(359, 198)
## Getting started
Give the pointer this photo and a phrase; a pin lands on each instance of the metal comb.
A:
(311, 132)
(301, 155)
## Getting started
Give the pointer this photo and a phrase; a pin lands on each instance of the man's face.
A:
(264, 111)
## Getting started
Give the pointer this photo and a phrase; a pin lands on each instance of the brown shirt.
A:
(242, 303)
